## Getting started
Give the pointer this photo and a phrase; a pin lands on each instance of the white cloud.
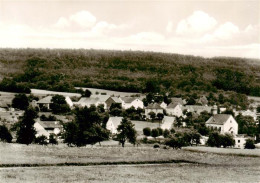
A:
(83, 18)
(226, 31)
(198, 22)
(169, 27)
(62, 23)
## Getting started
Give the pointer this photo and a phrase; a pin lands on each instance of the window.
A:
(238, 141)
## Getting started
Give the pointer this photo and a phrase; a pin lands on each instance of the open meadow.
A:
(47, 164)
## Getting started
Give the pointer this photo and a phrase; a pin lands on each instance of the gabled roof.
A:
(172, 105)
(87, 101)
(128, 99)
(45, 100)
(116, 100)
(194, 108)
(154, 106)
(167, 122)
(177, 100)
(50, 124)
(101, 98)
(115, 120)
(218, 119)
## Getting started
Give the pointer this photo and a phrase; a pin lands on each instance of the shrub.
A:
(52, 140)
(42, 140)
(160, 131)
(249, 144)
(5, 135)
(166, 133)
(147, 131)
(155, 133)
(156, 146)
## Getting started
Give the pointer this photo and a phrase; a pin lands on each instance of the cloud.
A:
(83, 18)
(62, 23)
(198, 22)
(169, 27)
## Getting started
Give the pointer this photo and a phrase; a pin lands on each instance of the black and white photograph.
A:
(129, 91)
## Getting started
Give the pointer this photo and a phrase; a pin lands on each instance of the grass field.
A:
(208, 167)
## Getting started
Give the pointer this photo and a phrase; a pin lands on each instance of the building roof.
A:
(50, 124)
(177, 100)
(5, 104)
(115, 120)
(172, 105)
(128, 99)
(101, 98)
(218, 119)
(167, 122)
(87, 101)
(154, 106)
(195, 108)
(116, 100)
(45, 100)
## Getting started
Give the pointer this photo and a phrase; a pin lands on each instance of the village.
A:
(155, 118)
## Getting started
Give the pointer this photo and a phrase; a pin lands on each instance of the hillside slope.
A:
(132, 71)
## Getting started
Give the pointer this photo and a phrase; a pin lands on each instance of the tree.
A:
(155, 133)
(152, 115)
(42, 140)
(249, 144)
(26, 131)
(227, 140)
(160, 131)
(147, 131)
(53, 140)
(160, 116)
(59, 104)
(126, 131)
(5, 135)
(166, 133)
(214, 140)
(87, 93)
(20, 101)
(71, 133)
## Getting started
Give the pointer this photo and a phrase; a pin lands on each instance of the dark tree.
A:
(214, 140)
(20, 101)
(87, 93)
(126, 131)
(42, 140)
(53, 140)
(155, 133)
(59, 105)
(160, 116)
(249, 144)
(5, 135)
(26, 131)
(152, 115)
(166, 133)
(147, 131)
(227, 140)
(71, 133)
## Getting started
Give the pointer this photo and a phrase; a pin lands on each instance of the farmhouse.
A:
(128, 102)
(155, 107)
(224, 123)
(240, 141)
(197, 108)
(167, 122)
(47, 127)
(174, 109)
(163, 105)
(113, 123)
(113, 100)
(46, 102)
(87, 102)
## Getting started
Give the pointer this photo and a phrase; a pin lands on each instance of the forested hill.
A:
(134, 71)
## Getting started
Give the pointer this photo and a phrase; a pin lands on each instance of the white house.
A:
(167, 122)
(240, 141)
(248, 112)
(163, 105)
(47, 127)
(224, 123)
(113, 123)
(174, 109)
(155, 107)
(128, 102)
(197, 108)
(87, 102)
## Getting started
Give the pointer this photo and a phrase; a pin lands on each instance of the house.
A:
(224, 123)
(248, 112)
(46, 102)
(167, 122)
(240, 141)
(155, 107)
(101, 99)
(113, 100)
(128, 102)
(163, 105)
(174, 109)
(197, 108)
(113, 123)
(47, 127)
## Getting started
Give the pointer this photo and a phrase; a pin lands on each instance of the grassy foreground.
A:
(208, 167)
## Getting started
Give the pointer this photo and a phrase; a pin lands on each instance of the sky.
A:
(205, 28)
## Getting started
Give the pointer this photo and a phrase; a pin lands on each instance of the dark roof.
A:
(172, 105)
(45, 100)
(154, 106)
(218, 119)
(50, 124)
(177, 100)
(128, 99)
